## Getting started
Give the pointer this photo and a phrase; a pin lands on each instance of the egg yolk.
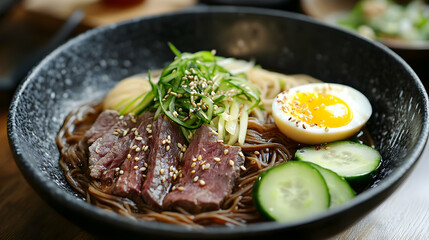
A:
(324, 110)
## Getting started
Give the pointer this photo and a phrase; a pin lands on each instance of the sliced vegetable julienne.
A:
(174, 50)
(244, 119)
(127, 105)
(194, 89)
(232, 122)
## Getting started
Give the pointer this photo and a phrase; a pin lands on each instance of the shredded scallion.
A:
(194, 90)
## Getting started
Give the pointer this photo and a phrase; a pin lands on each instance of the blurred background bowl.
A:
(415, 53)
(85, 68)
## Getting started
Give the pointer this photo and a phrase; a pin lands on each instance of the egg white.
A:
(304, 133)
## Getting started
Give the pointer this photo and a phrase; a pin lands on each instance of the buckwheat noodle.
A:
(265, 147)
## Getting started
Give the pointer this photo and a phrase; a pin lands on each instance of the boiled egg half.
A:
(320, 112)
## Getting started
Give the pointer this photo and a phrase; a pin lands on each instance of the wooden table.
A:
(24, 215)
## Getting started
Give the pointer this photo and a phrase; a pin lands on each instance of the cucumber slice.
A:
(339, 188)
(291, 191)
(351, 160)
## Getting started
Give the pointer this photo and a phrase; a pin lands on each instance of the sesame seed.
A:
(133, 120)
(243, 168)
(202, 163)
(145, 148)
(207, 166)
(202, 182)
(138, 149)
(142, 169)
(163, 179)
(256, 152)
(139, 138)
(150, 136)
(161, 171)
(181, 156)
(144, 175)
(115, 133)
(121, 117)
(136, 132)
(220, 141)
(179, 145)
(134, 147)
(125, 132)
(193, 164)
(129, 156)
(180, 175)
(181, 188)
(194, 159)
(136, 167)
(169, 137)
(173, 188)
(167, 148)
(231, 163)
(193, 171)
(137, 159)
(225, 151)
(216, 159)
(171, 168)
(133, 129)
(195, 178)
(121, 172)
(241, 154)
(200, 157)
(145, 164)
(117, 169)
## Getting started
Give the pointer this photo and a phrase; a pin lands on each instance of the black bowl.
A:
(85, 68)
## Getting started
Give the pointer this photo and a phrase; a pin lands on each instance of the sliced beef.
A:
(104, 168)
(209, 172)
(106, 152)
(130, 173)
(162, 160)
(104, 123)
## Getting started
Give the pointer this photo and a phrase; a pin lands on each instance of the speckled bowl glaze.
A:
(85, 68)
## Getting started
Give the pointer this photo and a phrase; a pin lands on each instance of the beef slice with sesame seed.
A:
(129, 183)
(214, 175)
(105, 122)
(164, 155)
(107, 150)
